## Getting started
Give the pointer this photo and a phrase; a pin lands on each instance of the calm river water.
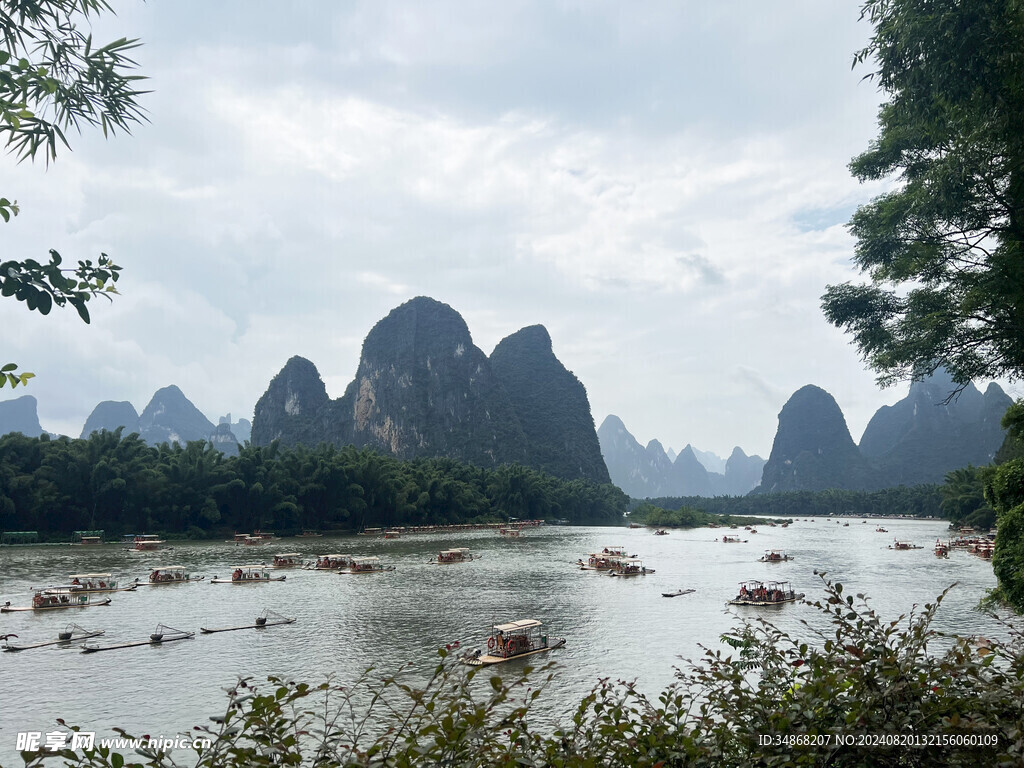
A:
(619, 628)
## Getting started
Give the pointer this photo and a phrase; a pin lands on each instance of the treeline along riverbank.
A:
(118, 484)
(910, 501)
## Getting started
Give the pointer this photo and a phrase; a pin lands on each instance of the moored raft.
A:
(72, 633)
(162, 634)
(266, 619)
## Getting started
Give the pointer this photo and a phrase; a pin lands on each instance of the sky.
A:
(662, 185)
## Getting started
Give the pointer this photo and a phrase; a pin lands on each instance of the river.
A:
(618, 628)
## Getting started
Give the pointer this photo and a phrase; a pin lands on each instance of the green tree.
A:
(52, 78)
(944, 249)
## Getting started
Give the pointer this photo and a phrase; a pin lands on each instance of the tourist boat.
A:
(513, 640)
(772, 593)
(309, 535)
(91, 541)
(604, 560)
(99, 582)
(329, 563)
(239, 538)
(941, 550)
(677, 593)
(880, 529)
(72, 633)
(55, 598)
(371, 532)
(774, 556)
(287, 560)
(630, 566)
(455, 555)
(248, 574)
(635, 525)
(367, 565)
(171, 574)
(510, 532)
(897, 544)
(661, 532)
(162, 634)
(392, 534)
(732, 540)
(266, 619)
(147, 542)
(255, 541)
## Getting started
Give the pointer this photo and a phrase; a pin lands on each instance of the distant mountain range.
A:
(170, 417)
(917, 440)
(423, 389)
(652, 472)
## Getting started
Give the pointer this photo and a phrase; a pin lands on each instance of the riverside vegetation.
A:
(857, 690)
(120, 484)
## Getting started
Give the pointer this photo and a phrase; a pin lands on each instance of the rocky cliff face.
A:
(423, 388)
(550, 404)
(813, 449)
(922, 437)
(109, 415)
(288, 411)
(20, 415)
(171, 418)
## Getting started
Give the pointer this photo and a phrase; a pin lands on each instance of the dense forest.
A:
(915, 501)
(118, 484)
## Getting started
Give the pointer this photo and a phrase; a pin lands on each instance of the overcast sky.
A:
(663, 185)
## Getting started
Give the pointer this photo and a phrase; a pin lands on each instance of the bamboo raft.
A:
(157, 638)
(266, 619)
(71, 633)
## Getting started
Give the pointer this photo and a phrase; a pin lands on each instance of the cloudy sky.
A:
(663, 185)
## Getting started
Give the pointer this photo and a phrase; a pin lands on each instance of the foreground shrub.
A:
(863, 692)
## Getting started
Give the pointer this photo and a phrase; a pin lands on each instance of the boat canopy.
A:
(752, 584)
(89, 576)
(512, 626)
(170, 568)
(456, 551)
(289, 554)
(630, 560)
(259, 567)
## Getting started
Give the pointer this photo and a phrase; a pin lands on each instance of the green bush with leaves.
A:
(898, 692)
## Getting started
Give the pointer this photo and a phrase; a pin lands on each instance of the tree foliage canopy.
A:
(54, 78)
(944, 249)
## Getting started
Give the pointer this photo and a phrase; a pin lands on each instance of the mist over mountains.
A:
(650, 471)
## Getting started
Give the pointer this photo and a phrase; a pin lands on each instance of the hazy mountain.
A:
(813, 449)
(710, 461)
(423, 388)
(922, 437)
(241, 429)
(671, 454)
(551, 405)
(652, 472)
(111, 414)
(20, 415)
(742, 472)
(170, 417)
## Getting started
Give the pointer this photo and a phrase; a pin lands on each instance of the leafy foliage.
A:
(759, 701)
(944, 250)
(52, 78)
(121, 485)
